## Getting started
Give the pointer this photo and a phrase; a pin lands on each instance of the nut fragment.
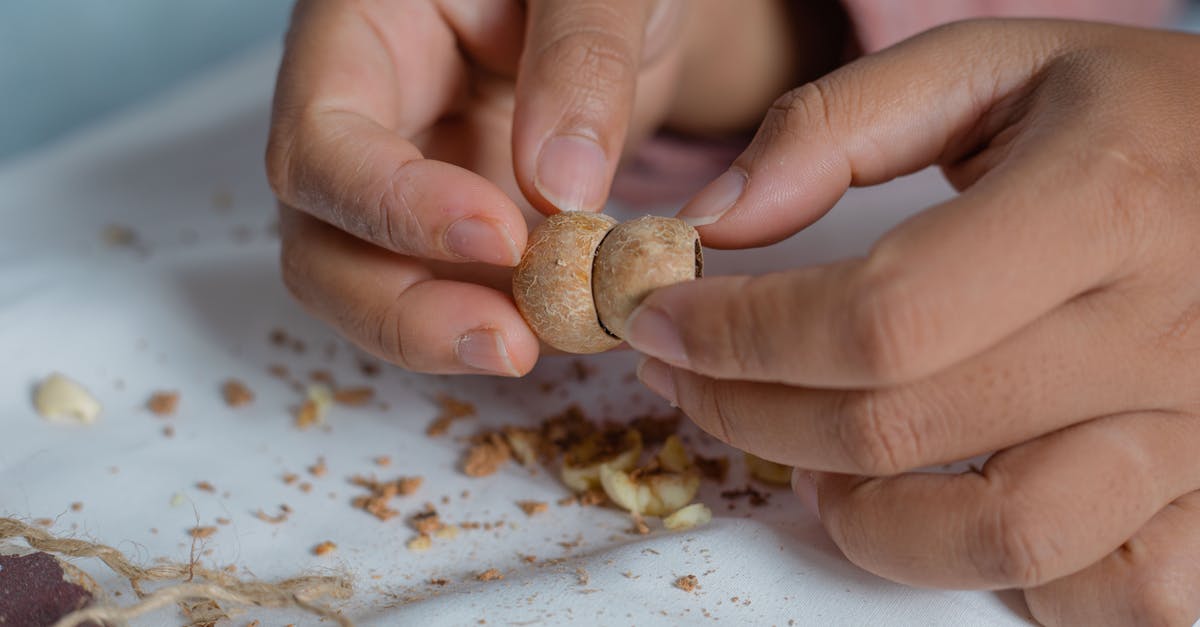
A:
(693, 515)
(552, 285)
(673, 457)
(236, 393)
(769, 472)
(163, 403)
(616, 449)
(653, 494)
(58, 398)
(637, 257)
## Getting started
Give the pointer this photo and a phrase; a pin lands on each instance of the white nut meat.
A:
(58, 398)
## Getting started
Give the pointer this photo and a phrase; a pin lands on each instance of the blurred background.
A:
(65, 63)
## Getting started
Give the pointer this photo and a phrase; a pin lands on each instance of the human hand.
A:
(1049, 312)
(406, 138)
(400, 138)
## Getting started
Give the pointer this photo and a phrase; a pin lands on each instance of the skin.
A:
(1047, 313)
(413, 145)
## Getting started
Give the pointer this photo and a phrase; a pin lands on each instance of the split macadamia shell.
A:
(553, 283)
(583, 274)
(638, 257)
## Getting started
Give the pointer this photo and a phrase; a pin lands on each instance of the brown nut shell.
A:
(553, 283)
(638, 257)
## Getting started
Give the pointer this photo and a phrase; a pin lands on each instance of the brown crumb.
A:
(279, 371)
(426, 522)
(236, 393)
(368, 367)
(449, 410)
(382, 492)
(687, 583)
(278, 337)
(202, 532)
(383, 461)
(640, 527)
(290, 477)
(490, 574)
(205, 486)
(168, 431)
(163, 403)
(581, 371)
(593, 497)
(439, 581)
(486, 455)
(656, 429)
(307, 414)
(581, 576)
(305, 487)
(321, 376)
(43, 522)
(77, 506)
(318, 469)
(532, 508)
(223, 521)
(324, 548)
(713, 468)
(274, 520)
(253, 623)
(568, 500)
(757, 499)
(354, 397)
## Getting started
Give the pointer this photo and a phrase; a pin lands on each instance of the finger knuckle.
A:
(801, 111)
(715, 403)
(397, 223)
(878, 438)
(1015, 546)
(593, 63)
(387, 331)
(886, 327)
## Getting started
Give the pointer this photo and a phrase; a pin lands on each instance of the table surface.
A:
(193, 303)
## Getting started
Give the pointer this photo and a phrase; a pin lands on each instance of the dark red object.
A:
(34, 592)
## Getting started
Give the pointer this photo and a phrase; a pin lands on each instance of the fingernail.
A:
(484, 349)
(715, 199)
(477, 239)
(805, 487)
(572, 173)
(650, 331)
(656, 375)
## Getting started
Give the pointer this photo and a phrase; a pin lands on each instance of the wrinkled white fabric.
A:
(195, 304)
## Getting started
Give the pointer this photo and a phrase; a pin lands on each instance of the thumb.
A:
(575, 94)
(883, 116)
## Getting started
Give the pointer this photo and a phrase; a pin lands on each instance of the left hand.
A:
(1049, 312)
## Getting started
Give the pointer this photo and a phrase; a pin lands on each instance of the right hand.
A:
(400, 136)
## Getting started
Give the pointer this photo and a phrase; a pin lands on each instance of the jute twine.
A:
(199, 583)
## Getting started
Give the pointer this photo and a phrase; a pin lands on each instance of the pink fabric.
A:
(668, 170)
(881, 23)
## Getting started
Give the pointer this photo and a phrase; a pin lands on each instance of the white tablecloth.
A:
(193, 304)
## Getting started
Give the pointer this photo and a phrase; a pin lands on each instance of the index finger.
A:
(1036, 231)
(352, 88)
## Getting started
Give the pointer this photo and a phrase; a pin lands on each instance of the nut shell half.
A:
(638, 257)
(553, 283)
